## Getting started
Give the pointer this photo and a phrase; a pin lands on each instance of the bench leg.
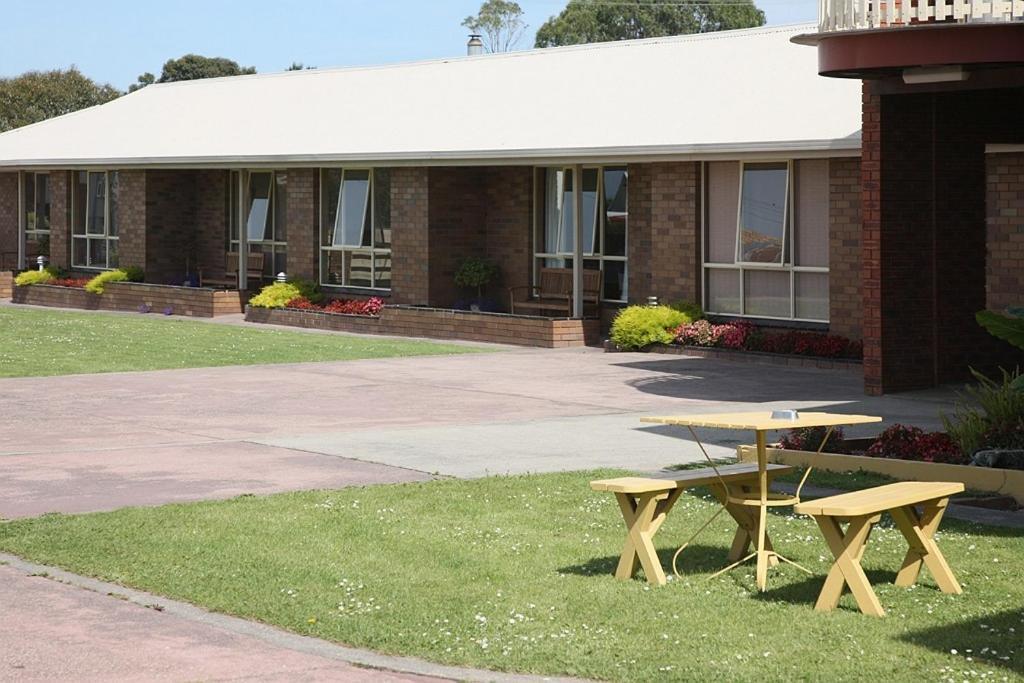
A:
(643, 516)
(920, 534)
(848, 549)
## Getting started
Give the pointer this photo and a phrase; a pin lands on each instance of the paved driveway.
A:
(92, 442)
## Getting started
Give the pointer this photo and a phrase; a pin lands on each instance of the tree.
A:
(594, 21)
(299, 66)
(193, 67)
(38, 95)
(500, 22)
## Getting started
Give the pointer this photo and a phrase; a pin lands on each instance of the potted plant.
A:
(475, 272)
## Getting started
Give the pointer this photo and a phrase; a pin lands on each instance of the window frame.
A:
(35, 233)
(540, 216)
(275, 250)
(372, 251)
(741, 268)
(79, 233)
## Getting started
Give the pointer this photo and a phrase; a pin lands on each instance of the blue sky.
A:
(116, 40)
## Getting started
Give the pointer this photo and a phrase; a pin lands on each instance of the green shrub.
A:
(638, 326)
(991, 416)
(134, 273)
(34, 277)
(694, 311)
(475, 272)
(98, 283)
(278, 294)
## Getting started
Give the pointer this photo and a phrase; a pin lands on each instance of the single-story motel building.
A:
(864, 177)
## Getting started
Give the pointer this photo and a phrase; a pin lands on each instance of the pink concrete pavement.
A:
(50, 631)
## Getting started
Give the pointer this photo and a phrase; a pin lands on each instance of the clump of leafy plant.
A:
(33, 277)
(903, 442)
(692, 310)
(990, 414)
(638, 326)
(127, 274)
(810, 438)
(371, 306)
(475, 272)
(280, 294)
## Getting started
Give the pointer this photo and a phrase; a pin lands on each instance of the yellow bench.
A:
(861, 510)
(646, 501)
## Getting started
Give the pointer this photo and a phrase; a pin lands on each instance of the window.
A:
(355, 228)
(36, 205)
(94, 220)
(265, 216)
(766, 239)
(603, 223)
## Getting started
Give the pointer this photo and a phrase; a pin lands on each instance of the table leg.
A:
(643, 515)
(746, 526)
(848, 550)
(920, 534)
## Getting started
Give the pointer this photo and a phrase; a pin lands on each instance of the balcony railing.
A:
(853, 15)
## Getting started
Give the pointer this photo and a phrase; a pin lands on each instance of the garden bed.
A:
(988, 479)
(441, 323)
(760, 357)
(135, 296)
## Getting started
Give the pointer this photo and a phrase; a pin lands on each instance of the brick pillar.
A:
(60, 218)
(410, 283)
(639, 241)
(845, 298)
(131, 218)
(1004, 267)
(302, 223)
(9, 219)
(212, 215)
(509, 227)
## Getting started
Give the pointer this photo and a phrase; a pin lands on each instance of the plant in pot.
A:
(476, 273)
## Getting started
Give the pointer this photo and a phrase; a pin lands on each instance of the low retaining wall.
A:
(6, 284)
(437, 323)
(991, 479)
(129, 296)
(761, 358)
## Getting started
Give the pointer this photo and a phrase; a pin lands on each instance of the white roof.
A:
(699, 95)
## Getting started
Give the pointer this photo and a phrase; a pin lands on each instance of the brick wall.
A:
(211, 198)
(131, 219)
(170, 225)
(844, 281)
(509, 226)
(60, 218)
(9, 219)
(457, 218)
(302, 223)
(1004, 267)
(923, 176)
(410, 219)
(664, 220)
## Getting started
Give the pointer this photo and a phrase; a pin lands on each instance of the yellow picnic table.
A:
(762, 422)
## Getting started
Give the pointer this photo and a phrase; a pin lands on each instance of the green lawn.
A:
(513, 574)
(35, 343)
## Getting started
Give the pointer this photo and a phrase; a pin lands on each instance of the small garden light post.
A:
(652, 301)
(41, 261)
(281, 277)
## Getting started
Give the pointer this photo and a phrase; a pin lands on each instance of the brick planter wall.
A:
(6, 284)
(128, 296)
(58, 297)
(761, 358)
(442, 324)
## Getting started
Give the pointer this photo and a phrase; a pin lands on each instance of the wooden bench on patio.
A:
(253, 271)
(861, 510)
(646, 501)
(552, 297)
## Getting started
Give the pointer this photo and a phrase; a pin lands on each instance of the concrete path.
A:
(94, 442)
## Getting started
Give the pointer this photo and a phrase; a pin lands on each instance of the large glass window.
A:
(355, 228)
(36, 205)
(604, 217)
(766, 239)
(264, 213)
(94, 220)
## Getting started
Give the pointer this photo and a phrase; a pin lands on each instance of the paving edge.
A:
(270, 634)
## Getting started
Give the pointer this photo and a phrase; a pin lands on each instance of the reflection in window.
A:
(355, 228)
(762, 226)
(36, 223)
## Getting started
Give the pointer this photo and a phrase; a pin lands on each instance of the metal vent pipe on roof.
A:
(475, 46)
